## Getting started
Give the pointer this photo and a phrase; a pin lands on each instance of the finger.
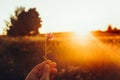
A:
(53, 71)
(52, 65)
(48, 61)
(46, 72)
(38, 68)
(41, 65)
(52, 74)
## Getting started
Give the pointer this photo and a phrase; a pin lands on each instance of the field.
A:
(77, 58)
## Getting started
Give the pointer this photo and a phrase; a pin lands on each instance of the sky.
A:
(67, 15)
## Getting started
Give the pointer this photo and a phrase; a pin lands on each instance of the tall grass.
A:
(76, 58)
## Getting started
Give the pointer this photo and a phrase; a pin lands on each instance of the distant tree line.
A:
(24, 23)
(112, 30)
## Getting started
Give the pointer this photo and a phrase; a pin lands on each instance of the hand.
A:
(43, 71)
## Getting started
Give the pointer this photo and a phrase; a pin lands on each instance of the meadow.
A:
(77, 58)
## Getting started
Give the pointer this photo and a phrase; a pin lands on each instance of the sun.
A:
(82, 37)
(82, 32)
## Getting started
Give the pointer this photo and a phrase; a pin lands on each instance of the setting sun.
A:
(82, 32)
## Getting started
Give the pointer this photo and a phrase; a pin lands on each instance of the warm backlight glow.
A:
(82, 32)
(81, 38)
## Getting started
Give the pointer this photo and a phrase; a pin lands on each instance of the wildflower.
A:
(49, 36)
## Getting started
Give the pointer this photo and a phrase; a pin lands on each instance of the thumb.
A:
(45, 73)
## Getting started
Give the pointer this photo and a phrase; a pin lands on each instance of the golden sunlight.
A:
(82, 33)
(82, 39)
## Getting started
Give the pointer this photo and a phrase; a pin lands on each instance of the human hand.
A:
(43, 71)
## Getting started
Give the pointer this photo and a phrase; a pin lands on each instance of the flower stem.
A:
(45, 54)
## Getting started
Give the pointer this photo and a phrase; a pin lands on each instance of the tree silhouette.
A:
(109, 29)
(24, 23)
